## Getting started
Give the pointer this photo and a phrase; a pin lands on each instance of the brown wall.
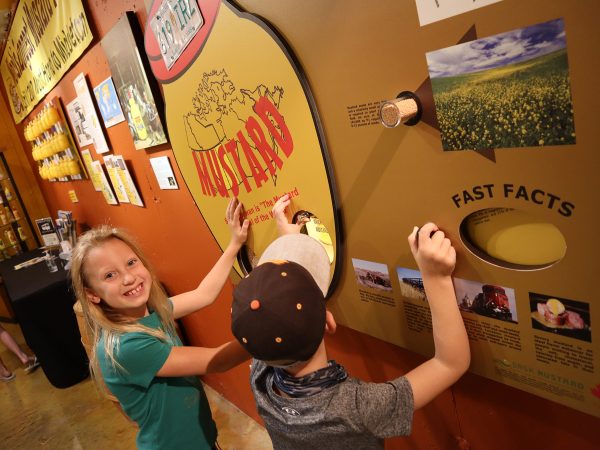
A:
(488, 415)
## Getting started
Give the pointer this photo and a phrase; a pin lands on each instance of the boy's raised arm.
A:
(436, 258)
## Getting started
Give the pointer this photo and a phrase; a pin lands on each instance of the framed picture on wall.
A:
(136, 87)
(108, 103)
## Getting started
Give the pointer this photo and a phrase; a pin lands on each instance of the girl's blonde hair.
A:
(105, 323)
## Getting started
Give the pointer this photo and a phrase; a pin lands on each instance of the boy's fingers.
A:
(412, 238)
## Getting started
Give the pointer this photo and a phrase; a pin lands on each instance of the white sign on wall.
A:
(433, 10)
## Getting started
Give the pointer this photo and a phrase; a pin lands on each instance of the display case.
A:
(52, 145)
(16, 230)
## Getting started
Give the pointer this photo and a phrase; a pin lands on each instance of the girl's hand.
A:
(239, 232)
(432, 250)
(279, 214)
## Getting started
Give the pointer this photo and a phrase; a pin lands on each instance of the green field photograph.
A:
(504, 91)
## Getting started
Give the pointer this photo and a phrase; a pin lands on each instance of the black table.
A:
(43, 305)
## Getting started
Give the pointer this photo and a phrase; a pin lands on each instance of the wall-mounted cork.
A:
(404, 109)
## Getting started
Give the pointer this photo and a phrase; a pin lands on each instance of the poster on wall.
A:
(434, 10)
(243, 123)
(88, 114)
(126, 179)
(94, 176)
(115, 179)
(40, 49)
(138, 94)
(105, 187)
(108, 103)
(80, 125)
(514, 85)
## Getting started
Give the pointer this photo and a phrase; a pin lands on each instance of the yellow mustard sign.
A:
(243, 123)
(45, 39)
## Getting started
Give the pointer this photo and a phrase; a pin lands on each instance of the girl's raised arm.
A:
(208, 290)
(186, 361)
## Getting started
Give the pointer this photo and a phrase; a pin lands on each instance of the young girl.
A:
(136, 353)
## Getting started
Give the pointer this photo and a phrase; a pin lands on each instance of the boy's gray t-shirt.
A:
(350, 415)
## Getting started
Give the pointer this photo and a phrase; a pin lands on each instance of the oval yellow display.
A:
(515, 237)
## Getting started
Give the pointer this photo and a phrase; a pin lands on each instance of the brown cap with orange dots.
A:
(278, 311)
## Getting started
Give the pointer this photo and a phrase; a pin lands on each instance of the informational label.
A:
(73, 196)
(364, 114)
(174, 25)
(433, 10)
(163, 172)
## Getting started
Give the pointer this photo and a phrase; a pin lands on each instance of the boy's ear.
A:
(91, 296)
(330, 325)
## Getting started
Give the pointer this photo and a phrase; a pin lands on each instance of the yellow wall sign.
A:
(45, 39)
(243, 123)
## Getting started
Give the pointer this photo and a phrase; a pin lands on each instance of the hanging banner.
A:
(45, 39)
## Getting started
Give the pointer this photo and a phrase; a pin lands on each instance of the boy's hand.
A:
(283, 224)
(239, 232)
(432, 250)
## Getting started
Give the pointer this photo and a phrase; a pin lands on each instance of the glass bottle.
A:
(10, 237)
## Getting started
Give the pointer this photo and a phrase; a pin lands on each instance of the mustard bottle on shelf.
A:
(22, 234)
(10, 236)
(8, 194)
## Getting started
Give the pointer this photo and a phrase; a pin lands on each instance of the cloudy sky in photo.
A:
(499, 50)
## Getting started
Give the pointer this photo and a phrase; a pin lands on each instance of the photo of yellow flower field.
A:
(507, 90)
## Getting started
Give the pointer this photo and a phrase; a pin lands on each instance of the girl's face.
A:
(116, 275)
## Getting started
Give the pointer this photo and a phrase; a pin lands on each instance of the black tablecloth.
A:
(43, 304)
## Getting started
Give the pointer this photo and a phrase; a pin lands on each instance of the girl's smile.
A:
(116, 276)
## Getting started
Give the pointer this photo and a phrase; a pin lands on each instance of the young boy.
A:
(308, 401)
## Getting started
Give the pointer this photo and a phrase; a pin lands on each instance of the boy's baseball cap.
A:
(278, 311)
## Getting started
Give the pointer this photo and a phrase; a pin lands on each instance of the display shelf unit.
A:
(53, 147)
(16, 230)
